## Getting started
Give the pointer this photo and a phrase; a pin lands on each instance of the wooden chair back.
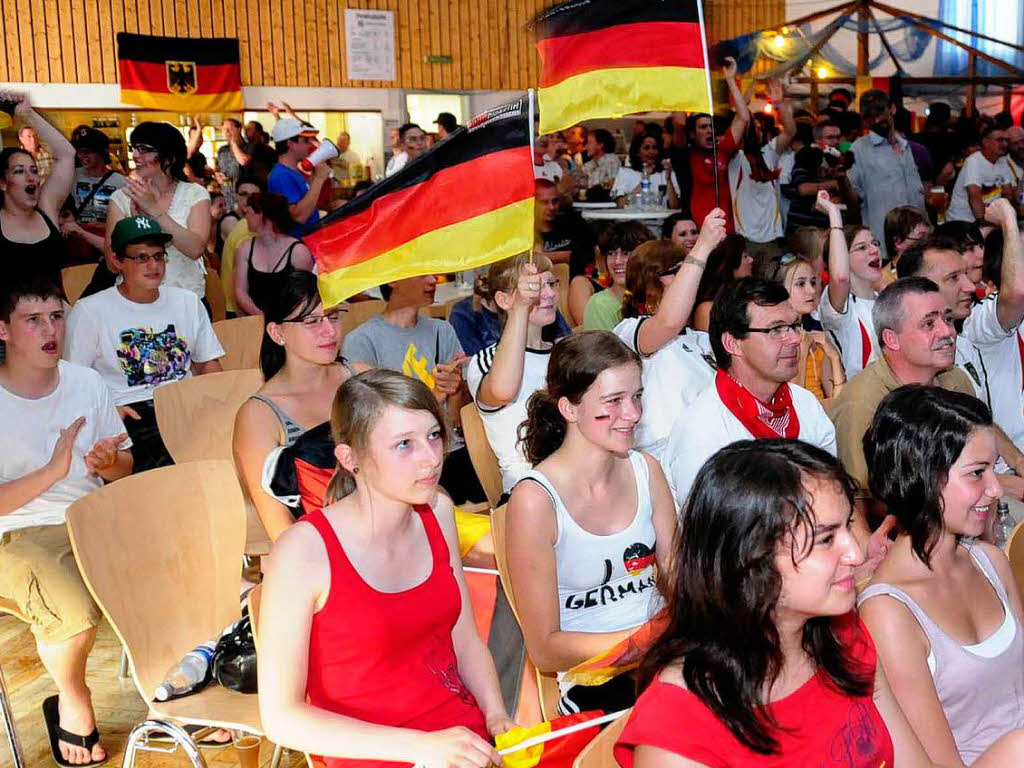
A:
(547, 685)
(215, 295)
(196, 416)
(1015, 554)
(241, 338)
(561, 273)
(76, 279)
(485, 463)
(161, 553)
(9, 606)
(359, 312)
(598, 753)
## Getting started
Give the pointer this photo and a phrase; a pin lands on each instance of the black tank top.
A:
(263, 285)
(47, 256)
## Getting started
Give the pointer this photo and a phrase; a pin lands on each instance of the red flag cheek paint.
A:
(603, 417)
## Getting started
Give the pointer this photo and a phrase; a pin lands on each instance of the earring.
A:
(355, 470)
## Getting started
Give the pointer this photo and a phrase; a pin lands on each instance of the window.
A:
(999, 19)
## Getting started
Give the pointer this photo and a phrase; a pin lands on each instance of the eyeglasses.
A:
(145, 258)
(142, 149)
(314, 321)
(779, 332)
(865, 246)
(671, 271)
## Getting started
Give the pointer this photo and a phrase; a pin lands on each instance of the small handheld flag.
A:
(466, 202)
(610, 58)
(180, 74)
(622, 657)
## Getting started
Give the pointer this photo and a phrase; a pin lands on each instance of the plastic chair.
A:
(241, 338)
(485, 463)
(215, 295)
(561, 273)
(1015, 553)
(547, 685)
(76, 279)
(165, 573)
(598, 753)
(196, 416)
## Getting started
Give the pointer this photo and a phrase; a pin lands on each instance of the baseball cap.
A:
(132, 228)
(92, 140)
(447, 121)
(290, 128)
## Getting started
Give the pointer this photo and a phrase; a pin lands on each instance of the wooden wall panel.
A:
(302, 42)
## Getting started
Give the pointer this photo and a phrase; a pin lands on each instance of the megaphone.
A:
(327, 150)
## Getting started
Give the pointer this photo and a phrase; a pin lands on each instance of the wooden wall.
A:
(301, 42)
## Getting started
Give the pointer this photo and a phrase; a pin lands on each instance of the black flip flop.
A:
(51, 714)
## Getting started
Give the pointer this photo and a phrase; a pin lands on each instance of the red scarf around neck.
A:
(763, 420)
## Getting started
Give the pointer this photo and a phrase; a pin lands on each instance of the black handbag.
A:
(234, 659)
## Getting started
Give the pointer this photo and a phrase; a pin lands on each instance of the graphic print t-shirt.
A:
(137, 347)
(413, 351)
(96, 210)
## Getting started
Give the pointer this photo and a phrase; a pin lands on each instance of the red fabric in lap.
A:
(388, 658)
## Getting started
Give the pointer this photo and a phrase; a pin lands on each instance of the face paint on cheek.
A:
(603, 417)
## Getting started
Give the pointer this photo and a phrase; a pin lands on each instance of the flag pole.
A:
(529, 120)
(545, 737)
(711, 103)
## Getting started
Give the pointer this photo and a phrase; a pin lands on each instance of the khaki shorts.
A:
(39, 574)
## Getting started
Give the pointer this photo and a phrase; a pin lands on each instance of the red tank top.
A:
(388, 657)
(819, 725)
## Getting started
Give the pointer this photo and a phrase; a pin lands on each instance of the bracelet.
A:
(839, 228)
(695, 260)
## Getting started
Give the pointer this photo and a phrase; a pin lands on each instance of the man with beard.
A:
(915, 331)
(884, 174)
(755, 334)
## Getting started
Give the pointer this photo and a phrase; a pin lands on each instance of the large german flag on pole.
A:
(610, 58)
(466, 202)
(180, 74)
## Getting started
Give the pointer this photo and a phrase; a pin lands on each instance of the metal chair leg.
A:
(122, 671)
(137, 739)
(13, 742)
(275, 760)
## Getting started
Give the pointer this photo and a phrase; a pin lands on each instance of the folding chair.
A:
(485, 463)
(161, 553)
(241, 338)
(547, 685)
(76, 279)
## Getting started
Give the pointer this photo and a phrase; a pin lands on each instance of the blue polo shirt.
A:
(293, 186)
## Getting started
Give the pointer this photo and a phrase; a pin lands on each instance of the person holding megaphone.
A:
(294, 142)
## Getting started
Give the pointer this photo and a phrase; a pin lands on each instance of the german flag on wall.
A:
(466, 202)
(180, 74)
(609, 58)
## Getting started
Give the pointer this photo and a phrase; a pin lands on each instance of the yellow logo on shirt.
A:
(417, 367)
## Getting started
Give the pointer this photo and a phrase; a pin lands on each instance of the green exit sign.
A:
(444, 59)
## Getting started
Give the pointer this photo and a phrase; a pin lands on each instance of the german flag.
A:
(622, 657)
(466, 202)
(609, 58)
(542, 747)
(180, 74)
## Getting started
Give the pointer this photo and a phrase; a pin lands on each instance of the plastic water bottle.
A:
(189, 674)
(645, 192)
(1004, 524)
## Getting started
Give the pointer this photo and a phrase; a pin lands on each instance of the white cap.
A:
(289, 128)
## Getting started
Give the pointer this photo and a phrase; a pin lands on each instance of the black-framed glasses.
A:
(779, 332)
(142, 149)
(145, 258)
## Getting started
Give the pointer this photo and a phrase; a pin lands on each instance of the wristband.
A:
(695, 260)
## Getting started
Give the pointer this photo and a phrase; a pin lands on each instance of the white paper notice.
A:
(370, 44)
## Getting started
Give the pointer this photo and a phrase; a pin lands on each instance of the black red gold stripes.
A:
(609, 58)
(465, 203)
(180, 74)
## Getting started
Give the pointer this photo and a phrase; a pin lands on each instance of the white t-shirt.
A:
(1001, 352)
(969, 360)
(396, 163)
(710, 426)
(137, 347)
(627, 179)
(853, 331)
(673, 377)
(551, 171)
(32, 428)
(502, 424)
(182, 272)
(756, 205)
(979, 171)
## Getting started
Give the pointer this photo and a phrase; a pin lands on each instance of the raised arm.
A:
(58, 185)
(531, 534)
(785, 111)
(1010, 301)
(838, 255)
(677, 303)
(501, 384)
(742, 116)
(296, 578)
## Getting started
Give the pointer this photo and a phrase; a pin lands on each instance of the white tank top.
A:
(605, 583)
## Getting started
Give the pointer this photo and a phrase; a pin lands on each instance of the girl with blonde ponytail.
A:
(366, 616)
(587, 525)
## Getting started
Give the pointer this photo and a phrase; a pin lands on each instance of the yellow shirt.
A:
(236, 237)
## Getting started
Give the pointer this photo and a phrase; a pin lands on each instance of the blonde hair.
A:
(358, 405)
(504, 275)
